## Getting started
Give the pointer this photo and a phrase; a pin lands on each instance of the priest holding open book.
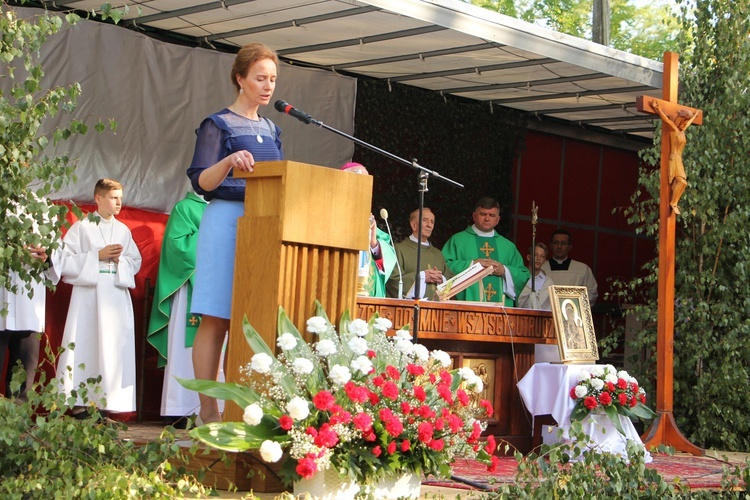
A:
(480, 243)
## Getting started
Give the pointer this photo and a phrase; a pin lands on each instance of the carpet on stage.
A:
(697, 472)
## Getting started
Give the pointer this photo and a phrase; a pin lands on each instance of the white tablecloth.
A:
(545, 389)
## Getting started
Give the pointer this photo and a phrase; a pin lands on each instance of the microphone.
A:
(286, 108)
(384, 215)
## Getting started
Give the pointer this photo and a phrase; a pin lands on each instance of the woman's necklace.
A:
(258, 137)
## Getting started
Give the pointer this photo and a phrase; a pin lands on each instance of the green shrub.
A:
(48, 454)
(556, 473)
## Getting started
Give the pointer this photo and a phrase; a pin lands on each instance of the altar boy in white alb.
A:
(100, 259)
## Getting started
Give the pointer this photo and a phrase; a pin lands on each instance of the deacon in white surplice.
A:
(100, 259)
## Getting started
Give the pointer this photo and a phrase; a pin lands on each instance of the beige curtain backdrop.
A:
(158, 93)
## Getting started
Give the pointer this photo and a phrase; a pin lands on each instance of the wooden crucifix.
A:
(675, 119)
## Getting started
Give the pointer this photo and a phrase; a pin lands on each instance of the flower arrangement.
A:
(615, 392)
(356, 401)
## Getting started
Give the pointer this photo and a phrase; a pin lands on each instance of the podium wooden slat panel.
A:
(298, 241)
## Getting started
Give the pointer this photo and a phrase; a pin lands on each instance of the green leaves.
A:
(46, 454)
(712, 247)
(27, 173)
(236, 436)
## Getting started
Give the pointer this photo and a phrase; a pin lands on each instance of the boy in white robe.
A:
(100, 259)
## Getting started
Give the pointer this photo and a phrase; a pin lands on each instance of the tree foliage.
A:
(648, 30)
(712, 286)
(27, 174)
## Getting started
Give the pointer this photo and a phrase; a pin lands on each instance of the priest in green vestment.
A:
(176, 269)
(432, 267)
(382, 260)
(481, 243)
(376, 265)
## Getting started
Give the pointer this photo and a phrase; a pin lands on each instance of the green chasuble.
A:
(464, 247)
(176, 268)
(430, 257)
(378, 277)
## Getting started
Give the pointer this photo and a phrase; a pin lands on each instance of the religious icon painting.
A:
(571, 315)
(485, 369)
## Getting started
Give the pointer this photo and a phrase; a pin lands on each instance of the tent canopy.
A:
(446, 46)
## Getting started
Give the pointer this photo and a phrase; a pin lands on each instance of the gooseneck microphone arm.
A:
(424, 175)
(286, 108)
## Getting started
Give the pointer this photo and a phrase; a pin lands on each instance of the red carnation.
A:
(642, 397)
(444, 391)
(405, 408)
(377, 451)
(363, 422)
(437, 444)
(491, 445)
(590, 402)
(306, 468)
(463, 398)
(440, 424)
(623, 399)
(446, 377)
(405, 445)
(622, 383)
(312, 431)
(323, 400)
(393, 426)
(419, 393)
(286, 422)
(573, 393)
(390, 391)
(433, 378)
(487, 407)
(493, 466)
(610, 387)
(378, 381)
(371, 354)
(392, 372)
(455, 423)
(633, 401)
(424, 432)
(326, 437)
(425, 411)
(374, 398)
(605, 398)
(475, 432)
(391, 447)
(415, 370)
(355, 393)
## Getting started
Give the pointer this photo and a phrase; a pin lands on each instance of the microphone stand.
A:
(424, 174)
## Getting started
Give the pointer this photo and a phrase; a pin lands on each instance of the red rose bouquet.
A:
(616, 393)
(356, 401)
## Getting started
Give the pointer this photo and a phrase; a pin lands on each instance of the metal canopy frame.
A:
(444, 46)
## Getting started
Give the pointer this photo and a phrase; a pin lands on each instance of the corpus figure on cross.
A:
(677, 141)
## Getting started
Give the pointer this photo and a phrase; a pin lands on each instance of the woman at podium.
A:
(231, 139)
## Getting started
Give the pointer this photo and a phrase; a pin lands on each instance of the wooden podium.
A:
(298, 241)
